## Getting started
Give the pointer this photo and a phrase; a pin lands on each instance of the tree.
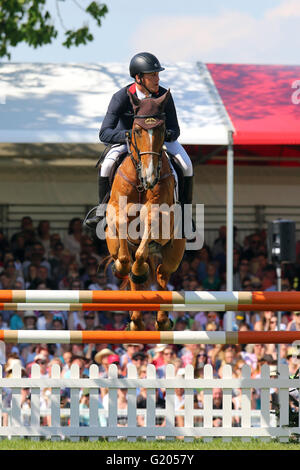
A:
(29, 21)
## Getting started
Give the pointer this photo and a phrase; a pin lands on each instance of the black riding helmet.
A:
(144, 62)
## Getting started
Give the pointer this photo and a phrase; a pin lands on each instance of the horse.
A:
(144, 179)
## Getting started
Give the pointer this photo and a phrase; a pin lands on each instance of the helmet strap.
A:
(141, 82)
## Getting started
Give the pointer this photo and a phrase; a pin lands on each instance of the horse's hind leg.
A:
(172, 254)
(136, 317)
(139, 277)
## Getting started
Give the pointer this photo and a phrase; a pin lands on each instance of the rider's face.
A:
(151, 82)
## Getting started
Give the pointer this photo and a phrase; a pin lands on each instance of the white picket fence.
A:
(259, 423)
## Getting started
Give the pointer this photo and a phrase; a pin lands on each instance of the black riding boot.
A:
(103, 190)
(187, 193)
(187, 198)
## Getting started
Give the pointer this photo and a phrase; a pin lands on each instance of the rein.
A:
(138, 163)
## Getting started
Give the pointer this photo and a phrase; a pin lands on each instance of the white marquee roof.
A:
(66, 103)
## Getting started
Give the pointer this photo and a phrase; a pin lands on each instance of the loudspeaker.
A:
(281, 241)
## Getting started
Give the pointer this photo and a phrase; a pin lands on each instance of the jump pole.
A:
(149, 337)
(126, 307)
(231, 300)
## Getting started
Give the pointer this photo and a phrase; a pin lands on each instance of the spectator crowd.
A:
(36, 257)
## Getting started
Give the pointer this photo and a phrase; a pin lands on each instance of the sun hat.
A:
(11, 363)
(29, 314)
(104, 352)
(40, 357)
(160, 347)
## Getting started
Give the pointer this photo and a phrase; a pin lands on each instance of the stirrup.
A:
(91, 222)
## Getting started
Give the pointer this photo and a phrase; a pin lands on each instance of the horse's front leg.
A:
(138, 276)
(172, 254)
(140, 269)
(117, 230)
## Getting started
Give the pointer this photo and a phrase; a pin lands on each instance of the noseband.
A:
(138, 163)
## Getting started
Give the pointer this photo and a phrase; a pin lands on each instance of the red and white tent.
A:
(67, 102)
(264, 107)
(261, 101)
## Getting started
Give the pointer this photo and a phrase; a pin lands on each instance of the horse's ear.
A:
(162, 100)
(134, 100)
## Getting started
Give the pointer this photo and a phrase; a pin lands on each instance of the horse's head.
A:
(148, 134)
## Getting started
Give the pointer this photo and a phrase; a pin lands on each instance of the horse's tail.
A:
(107, 260)
(124, 283)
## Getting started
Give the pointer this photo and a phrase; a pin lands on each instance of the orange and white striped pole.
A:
(126, 307)
(149, 337)
(69, 300)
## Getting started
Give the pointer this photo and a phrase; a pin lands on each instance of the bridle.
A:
(138, 162)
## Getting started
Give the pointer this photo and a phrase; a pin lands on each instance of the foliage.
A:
(28, 21)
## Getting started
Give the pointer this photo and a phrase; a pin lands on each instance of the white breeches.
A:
(173, 147)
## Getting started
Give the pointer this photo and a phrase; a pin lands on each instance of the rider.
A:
(144, 68)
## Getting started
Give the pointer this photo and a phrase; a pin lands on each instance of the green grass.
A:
(178, 445)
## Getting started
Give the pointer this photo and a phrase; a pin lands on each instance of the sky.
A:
(214, 31)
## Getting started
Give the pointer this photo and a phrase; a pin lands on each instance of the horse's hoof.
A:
(164, 326)
(133, 326)
(117, 272)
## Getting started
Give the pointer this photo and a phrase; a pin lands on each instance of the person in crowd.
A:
(36, 256)
(293, 359)
(25, 264)
(242, 274)
(168, 356)
(294, 324)
(44, 235)
(16, 320)
(101, 358)
(27, 230)
(157, 355)
(254, 247)
(269, 279)
(139, 359)
(212, 281)
(126, 357)
(79, 361)
(44, 363)
(73, 240)
(30, 320)
(12, 273)
(67, 358)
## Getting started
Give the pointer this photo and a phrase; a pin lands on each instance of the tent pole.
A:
(229, 226)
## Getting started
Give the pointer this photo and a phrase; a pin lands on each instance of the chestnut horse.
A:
(144, 178)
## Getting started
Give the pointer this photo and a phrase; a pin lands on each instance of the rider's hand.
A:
(168, 135)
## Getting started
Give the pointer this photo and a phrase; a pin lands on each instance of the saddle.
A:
(173, 161)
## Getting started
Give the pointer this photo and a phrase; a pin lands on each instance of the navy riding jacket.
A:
(119, 117)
